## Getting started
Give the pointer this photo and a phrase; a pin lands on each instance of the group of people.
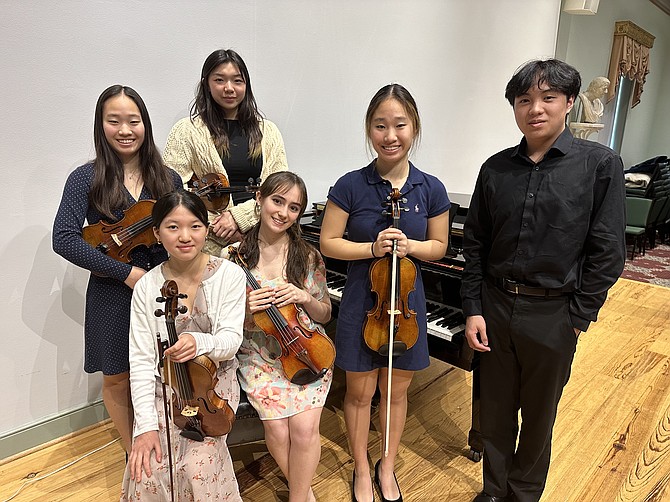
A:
(543, 242)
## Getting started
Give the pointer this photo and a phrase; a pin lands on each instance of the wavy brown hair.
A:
(107, 194)
(301, 256)
(213, 116)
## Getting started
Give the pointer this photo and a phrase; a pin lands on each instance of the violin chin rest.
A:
(399, 348)
(190, 432)
(305, 376)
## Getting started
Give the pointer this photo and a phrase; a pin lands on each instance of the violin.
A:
(391, 325)
(306, 354)
(117, 240)
(214, 190)
(197, 409)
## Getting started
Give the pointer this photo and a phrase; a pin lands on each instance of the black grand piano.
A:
(442, 282)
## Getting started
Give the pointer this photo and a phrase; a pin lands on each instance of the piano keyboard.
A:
(443, 321)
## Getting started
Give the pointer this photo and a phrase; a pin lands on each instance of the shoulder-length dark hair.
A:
(403, 96)
(168, 202)
(212, 114)
(107, 194)
(301, 256)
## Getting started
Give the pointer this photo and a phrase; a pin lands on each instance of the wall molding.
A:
(17, 443)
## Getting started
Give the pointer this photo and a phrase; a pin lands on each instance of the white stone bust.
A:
(589, 107)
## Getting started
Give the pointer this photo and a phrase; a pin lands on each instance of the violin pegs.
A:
(182, 309)
(160, 299)
(182, 295)
(158, 313)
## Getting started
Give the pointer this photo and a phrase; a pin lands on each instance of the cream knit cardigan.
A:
(190, 150)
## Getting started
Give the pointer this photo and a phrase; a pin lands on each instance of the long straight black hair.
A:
(106, 194)
(213, 116)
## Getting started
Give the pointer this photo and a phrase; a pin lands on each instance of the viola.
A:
(214, 190)
(391, 324)
(117, 240)
(306, 354)
(197, 409)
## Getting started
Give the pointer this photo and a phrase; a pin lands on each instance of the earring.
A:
(159, 241)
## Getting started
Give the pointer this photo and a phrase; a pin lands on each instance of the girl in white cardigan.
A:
(211, 326)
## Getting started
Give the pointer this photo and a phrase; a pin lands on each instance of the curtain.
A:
(630, 57)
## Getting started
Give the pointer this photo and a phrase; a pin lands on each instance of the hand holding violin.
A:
(384, 243)
(263, 298)
(225, 226)
(183, 350)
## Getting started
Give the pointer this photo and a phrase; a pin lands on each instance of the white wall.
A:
(586, 43)
(314, 67)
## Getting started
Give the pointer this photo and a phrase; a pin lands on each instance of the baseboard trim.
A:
(19, 442)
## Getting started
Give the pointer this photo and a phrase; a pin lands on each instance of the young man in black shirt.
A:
(544, 241)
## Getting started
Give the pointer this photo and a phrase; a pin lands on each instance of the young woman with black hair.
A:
(211, 326)
(226, 134)
(127, 168)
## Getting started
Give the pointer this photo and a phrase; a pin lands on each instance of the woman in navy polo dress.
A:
(355, 205)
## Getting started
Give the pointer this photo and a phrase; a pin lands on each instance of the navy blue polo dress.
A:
(107, 318)
(361, 194)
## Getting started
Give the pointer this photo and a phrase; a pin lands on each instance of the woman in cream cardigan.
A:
(226, 134)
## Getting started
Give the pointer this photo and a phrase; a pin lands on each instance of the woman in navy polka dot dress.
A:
(127, 168)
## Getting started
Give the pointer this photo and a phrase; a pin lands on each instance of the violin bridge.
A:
(116, 239)
(396, 312)
(189, 411)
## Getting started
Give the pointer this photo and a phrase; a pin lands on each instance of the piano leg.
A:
(475, 436)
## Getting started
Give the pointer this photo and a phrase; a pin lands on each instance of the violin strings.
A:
(184, 396)
(131, 231)
(276, 318)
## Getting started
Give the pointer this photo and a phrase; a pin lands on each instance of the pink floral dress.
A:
(203, 470)
(260, 371)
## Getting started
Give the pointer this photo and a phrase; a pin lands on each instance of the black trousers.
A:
(532, 347)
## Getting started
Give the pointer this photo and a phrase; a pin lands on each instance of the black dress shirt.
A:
(559, 223)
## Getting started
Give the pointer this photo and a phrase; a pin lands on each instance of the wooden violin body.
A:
(214, 190)
(377, 323)
(197, 409)
(307, 354)
(212, 411)
(118, 239)
(391, 326)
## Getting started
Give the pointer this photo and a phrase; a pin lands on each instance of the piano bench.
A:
(247, 428)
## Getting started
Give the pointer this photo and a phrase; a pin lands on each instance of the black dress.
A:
(107, 319)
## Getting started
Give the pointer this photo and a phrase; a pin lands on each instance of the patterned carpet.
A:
(654, 267)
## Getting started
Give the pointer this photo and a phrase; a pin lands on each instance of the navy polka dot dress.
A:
(107, 318)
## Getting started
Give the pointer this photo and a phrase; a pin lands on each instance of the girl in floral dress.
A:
(289, 271)
(211, 326)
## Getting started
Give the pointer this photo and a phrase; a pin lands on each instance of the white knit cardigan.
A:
(225, 295)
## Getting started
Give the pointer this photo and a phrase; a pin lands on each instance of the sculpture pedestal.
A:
(584, 129)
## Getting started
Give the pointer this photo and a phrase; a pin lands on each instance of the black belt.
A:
(518, 288)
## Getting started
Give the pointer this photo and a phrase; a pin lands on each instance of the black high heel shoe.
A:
(353, 489)
(379, 485)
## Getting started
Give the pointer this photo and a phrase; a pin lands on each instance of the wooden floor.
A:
(611, 441)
